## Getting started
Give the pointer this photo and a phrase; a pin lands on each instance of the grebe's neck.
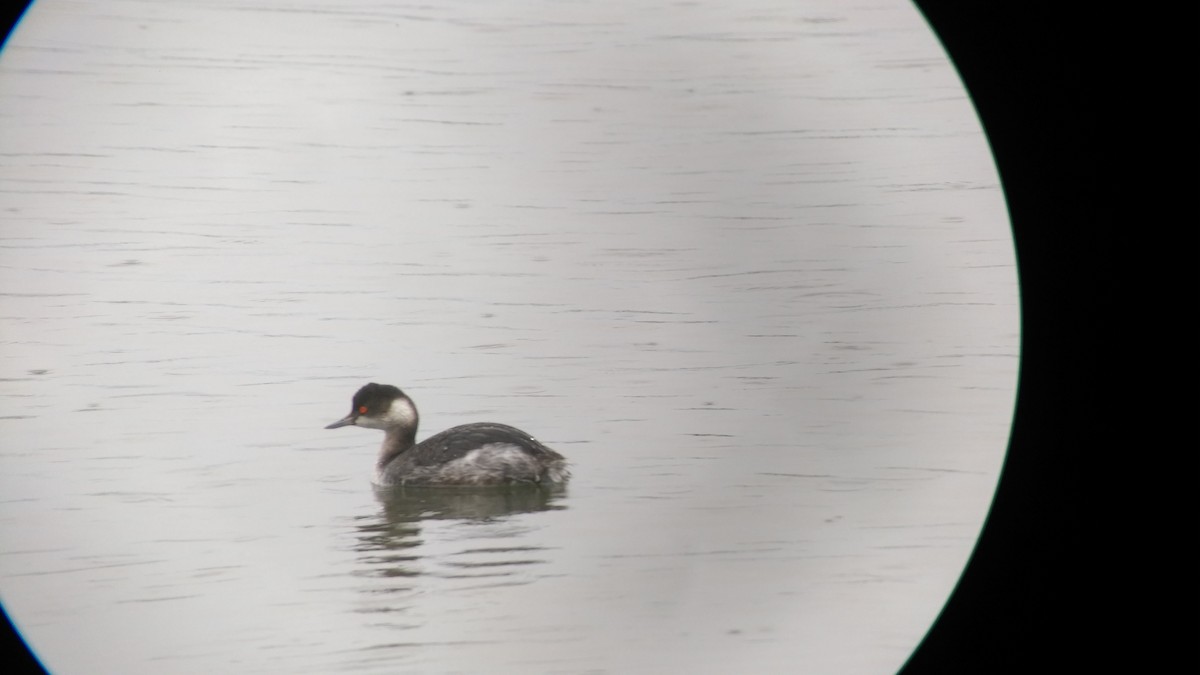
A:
(399, 424)
(395, 441)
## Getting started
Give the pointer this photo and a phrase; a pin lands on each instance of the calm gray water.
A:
(746, 264)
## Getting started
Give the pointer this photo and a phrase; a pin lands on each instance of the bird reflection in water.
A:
(391, 542)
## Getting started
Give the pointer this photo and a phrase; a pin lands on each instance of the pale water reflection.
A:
(746, 265)
(390, 541)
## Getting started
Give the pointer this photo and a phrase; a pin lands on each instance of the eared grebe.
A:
(484, 453)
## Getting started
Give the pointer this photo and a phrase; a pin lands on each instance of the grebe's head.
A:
(380, 406)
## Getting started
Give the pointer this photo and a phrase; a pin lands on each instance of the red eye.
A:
(362, 410)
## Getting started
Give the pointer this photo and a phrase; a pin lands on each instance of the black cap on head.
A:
(374, 397)
(371, 399)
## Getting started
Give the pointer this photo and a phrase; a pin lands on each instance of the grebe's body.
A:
(483, 453)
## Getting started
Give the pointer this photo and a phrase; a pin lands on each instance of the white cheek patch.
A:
(369, 422)
(399, 414)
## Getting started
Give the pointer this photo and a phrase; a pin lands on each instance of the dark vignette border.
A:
(1083, 564)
